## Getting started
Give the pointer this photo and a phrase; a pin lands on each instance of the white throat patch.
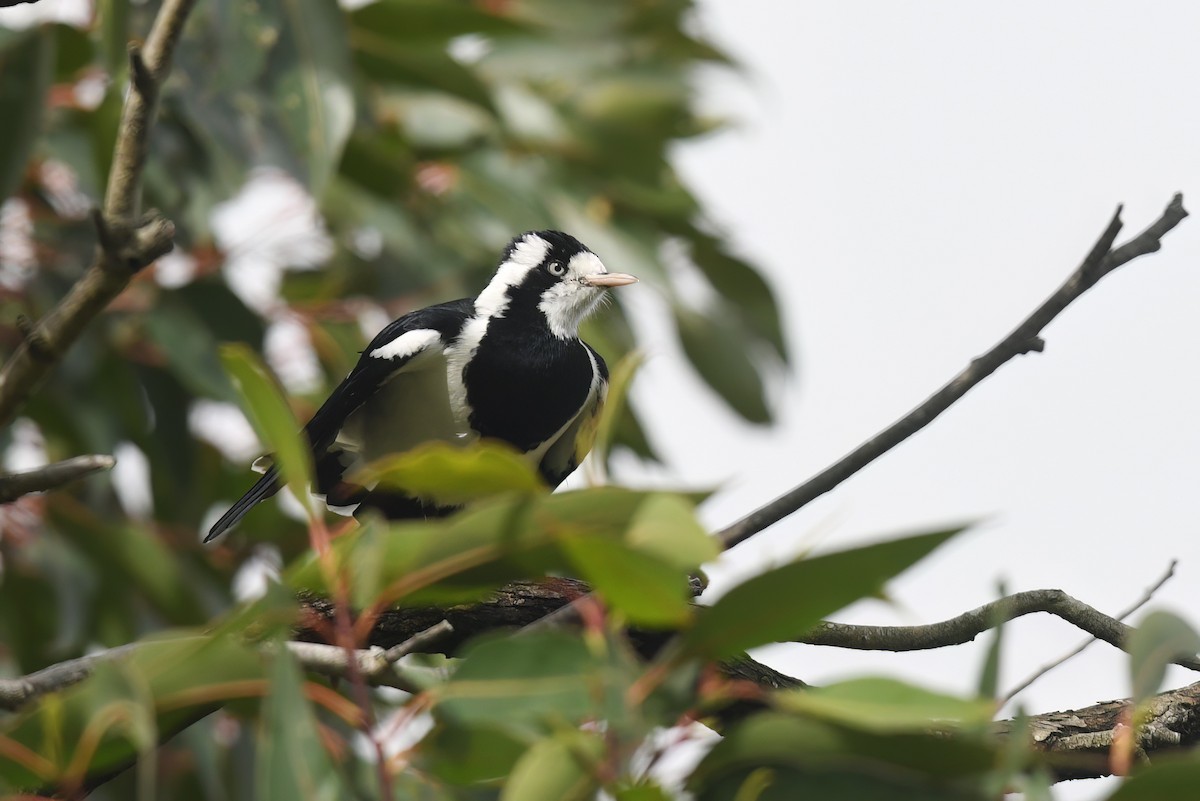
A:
(569, 301)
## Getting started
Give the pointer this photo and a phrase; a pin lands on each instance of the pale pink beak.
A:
(609, 279)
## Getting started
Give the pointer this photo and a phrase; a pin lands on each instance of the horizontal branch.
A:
(1026, 337)
(15, 693)
(965, 627)
(376, 665)
(1079, 742)
(52, 476)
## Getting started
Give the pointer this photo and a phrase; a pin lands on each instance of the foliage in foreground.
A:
(428, 133)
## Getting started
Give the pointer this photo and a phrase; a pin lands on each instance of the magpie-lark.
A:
(507, 365)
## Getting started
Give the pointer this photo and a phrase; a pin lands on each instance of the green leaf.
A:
(469, 754)
(425, 66)
(806, 758)
(1157, 641)
(507, 538)
(645, 574)
(559, 768)
(404, 22)
(269, 414)
(451, 475)
(522, 683)
(989, 675)
(1166, 779)
(26, 69)
(648, 591)
(643, 792)
(718, 349)
(190, 347)
(666, 527)
(781, 604)
(886, 705)
(311, 80)
(164, 679)
(747, 293)
(291, 761)
(619, 381)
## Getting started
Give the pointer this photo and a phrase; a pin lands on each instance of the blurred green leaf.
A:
(792, 757)
(310, 75)
(781, 604)
(989, 674)
(619, 381)
(73, 52)
(1158, 640)
(504, 539)
(268, 412)
(292, 763)
(647, 590)
(422, 21)
(452, 475)
(468, 754)
(172, 678)
(191, 349)
(886, 705)
(718, 350)
(521, 684)
(666, 527)
(559, 768)
(26, 70)
(1166, 779)
(112, 17)
(643, 792)
(417, 66)
(747, 293)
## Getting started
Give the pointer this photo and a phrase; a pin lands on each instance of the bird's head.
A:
(550, 276)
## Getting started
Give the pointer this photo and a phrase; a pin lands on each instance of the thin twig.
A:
(14, 693)
(376, 666)
(128, 241)
(418, 641)
(52, 476)
(1145, 599)
(1024, 338)
(967, 626)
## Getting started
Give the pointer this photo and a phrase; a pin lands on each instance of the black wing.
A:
(369, 374)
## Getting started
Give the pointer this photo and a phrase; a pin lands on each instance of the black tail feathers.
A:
(264, 488)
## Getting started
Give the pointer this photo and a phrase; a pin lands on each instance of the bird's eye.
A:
(556, 268)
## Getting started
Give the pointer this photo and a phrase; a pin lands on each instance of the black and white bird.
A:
(507, 365)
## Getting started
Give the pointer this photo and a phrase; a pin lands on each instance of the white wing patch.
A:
(406, 344)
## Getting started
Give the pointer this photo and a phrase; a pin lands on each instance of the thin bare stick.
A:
(128, 240)
(14, 693)
(967, 626)
(1145, 599)
(1026, 337)
(52, 476)
(375, 666)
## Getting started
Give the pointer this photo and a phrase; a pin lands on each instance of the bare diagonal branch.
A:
(1026, 337)
(128, 240)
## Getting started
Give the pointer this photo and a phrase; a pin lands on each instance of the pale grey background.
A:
(916, 177)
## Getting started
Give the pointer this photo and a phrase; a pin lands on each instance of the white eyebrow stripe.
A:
(528, 255)
(406, 344)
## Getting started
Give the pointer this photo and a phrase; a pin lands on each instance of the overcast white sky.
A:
(916, 177)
